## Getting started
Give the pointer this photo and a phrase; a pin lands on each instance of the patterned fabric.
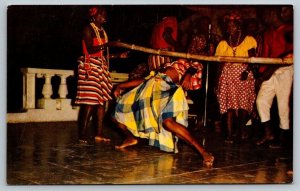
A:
(156, 62)
(182, 65)
(143, 110)
(94, 82)
(234, 93)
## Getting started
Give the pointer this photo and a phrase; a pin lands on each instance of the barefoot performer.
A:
(157, 108)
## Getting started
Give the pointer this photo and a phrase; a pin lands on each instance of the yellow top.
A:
(223, 48)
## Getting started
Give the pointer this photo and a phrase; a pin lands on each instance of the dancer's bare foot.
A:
(101, 139)
(127, 142)
(208, 159)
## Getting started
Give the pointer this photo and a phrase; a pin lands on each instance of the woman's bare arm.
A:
(127, 85)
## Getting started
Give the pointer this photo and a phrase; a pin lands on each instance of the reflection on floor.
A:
(47, 153)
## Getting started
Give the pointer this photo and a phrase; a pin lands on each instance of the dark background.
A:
(50, 37)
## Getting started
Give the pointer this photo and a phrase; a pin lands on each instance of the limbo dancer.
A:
(157, 109)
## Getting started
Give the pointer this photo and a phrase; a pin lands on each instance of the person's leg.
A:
(180, 131)
(242, 119)
(130, 140)
(99, 117)
(283, 89)
(264, 102)
(265, 99)
(229, 122)
(85, 113)
(268, 134)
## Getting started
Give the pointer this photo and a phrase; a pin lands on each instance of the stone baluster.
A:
(63, 103)
(63, 89)
(46, 102)
(47, 88)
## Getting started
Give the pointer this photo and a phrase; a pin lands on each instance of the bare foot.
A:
(208, 159)
(127, 142)
(101, 139)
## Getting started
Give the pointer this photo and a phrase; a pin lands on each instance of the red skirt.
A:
(234, 93)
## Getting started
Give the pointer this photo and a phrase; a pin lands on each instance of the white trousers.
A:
(279, 85)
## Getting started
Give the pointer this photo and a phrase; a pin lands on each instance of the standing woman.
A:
(94, 82)
(236, 93)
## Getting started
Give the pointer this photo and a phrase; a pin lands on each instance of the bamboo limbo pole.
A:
(251, 60)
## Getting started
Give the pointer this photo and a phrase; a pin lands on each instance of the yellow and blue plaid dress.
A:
(143, 110)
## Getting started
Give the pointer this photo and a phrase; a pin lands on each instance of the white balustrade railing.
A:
(48, 109)
(29, 84)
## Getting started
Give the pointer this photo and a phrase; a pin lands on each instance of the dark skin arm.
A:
(251, 52)
(171, 72)
(127, 85)
(185, 82)
(88, 38)
(245, 73)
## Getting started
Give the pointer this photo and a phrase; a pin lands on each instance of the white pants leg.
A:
(283, 84)
(265, 98)
(279, 84)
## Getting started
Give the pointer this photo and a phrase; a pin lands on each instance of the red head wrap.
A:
(93, 11)
(234, 16)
